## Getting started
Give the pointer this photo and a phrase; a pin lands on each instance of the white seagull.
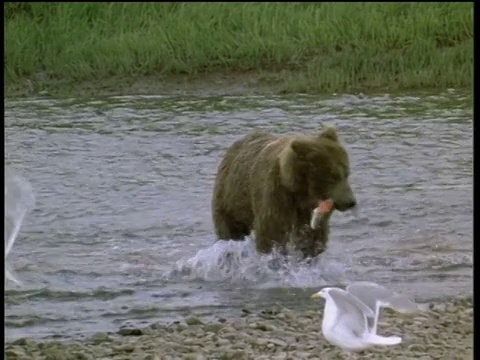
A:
(350, 316)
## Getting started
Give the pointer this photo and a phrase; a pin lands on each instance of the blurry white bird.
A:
(349, 323)
(19, 200)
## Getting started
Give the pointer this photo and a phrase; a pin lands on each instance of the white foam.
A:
(239, 262)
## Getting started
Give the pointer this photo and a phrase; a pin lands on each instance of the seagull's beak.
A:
(316, 296)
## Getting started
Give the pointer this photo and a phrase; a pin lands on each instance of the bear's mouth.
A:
(343, 207)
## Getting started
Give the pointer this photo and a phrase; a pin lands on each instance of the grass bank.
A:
(306, 47)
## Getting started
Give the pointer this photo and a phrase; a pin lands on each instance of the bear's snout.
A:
(343, 196)
(345, 205)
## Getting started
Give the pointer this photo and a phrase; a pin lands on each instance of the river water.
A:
(121, 233)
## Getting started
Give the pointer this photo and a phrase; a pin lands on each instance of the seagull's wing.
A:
(369, 293)
(12, 235)
(372, 295)
(9, 274)
(375, 295)
(346, 301)
(19, 199)
(402, 303)
(352, 313)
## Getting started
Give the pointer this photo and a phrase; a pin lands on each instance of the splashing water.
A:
(239, 262)
(19, 200)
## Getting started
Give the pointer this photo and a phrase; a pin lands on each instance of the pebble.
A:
(195, 357)
(214, 327)
(100, 337)
(124, 348)
(260, 325)
(223, 342)
(130, 332)
(193, 321)
(278, 342)
(261, 342)
(15, 352)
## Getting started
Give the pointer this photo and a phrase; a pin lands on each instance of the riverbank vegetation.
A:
(295, 47)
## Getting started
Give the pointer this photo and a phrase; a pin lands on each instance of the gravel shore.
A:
(443, 331)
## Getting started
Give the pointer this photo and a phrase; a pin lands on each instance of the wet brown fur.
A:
(271, 184)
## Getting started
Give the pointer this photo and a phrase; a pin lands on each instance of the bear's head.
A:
(317, 168)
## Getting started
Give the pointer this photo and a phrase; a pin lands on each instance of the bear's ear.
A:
(301, 147)
(289, 164)
(329, 132)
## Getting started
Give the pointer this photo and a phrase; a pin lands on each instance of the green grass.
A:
(307, 47)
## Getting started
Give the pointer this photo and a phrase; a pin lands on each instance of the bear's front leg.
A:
(270, 232)
(312, 242)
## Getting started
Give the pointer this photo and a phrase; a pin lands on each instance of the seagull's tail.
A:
(384, 340)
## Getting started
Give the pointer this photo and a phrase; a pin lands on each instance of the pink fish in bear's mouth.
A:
(324, 207)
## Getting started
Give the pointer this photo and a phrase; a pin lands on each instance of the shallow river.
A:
(121, 232)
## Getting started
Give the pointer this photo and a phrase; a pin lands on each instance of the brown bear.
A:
(271, 185)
